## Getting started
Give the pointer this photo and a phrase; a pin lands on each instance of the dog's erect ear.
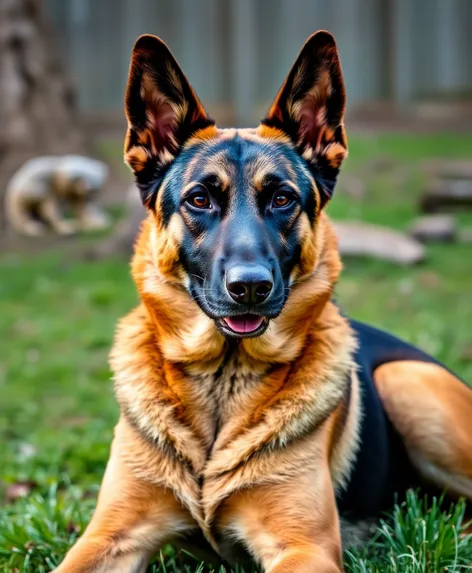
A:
(162, 110)
(309, 108)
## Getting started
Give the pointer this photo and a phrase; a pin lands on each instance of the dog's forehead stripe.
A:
(218, 165)
(210, 160)
(266, 167)
(236, 152)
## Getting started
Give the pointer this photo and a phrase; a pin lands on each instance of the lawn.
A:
(57, 410)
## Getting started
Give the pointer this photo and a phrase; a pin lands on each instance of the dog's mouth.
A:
(244, 325)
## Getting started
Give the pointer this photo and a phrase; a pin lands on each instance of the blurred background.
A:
(402, 208)
(395, 53)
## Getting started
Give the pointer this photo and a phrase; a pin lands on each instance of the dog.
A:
(255, 417)
(39, 192)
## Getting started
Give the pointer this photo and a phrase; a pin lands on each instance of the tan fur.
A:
(272, 133)
(345, 441)
(432, 410)
(203, 135)
(137, 157)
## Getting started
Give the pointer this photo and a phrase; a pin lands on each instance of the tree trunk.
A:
(37, 101)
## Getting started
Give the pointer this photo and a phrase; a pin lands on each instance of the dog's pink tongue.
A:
(244, 324)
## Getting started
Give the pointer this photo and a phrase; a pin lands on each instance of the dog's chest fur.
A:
(208, 428)
(227, 388)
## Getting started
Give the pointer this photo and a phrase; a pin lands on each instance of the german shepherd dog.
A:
(255, 417)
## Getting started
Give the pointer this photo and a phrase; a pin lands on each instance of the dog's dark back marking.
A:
(382, 466)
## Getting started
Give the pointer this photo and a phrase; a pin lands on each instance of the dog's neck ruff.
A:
(185, 335)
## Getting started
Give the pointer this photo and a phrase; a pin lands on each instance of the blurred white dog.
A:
(45, 188)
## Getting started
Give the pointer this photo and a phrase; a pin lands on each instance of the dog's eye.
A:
(200, 199)
(281, 199)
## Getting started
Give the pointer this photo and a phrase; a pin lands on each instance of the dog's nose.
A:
(249, 284)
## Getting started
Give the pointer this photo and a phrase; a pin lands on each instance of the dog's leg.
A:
(291, 527)
(91, 217)
(50, 212)
(132, 520)
(19, 216)
(432, 410)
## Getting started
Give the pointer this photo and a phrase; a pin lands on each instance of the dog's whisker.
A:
(197, 277)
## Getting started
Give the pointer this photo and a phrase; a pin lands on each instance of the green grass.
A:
(420, 536)
(57, 410)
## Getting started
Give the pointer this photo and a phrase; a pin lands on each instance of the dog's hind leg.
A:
(432, 411)
(19, 216)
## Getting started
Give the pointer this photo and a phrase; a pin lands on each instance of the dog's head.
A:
(235, 211)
